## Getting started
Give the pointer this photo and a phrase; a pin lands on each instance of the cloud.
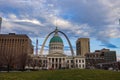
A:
(113, 31)
(109, 45)
(77, 18)
(15, 19)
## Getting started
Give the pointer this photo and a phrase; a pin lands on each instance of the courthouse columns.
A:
(58, 63)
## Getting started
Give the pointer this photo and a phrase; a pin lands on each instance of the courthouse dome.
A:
(56, 44)
(56, 37)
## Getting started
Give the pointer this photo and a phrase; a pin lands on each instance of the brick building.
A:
(13, 49)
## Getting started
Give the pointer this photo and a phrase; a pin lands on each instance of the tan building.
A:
(82, 46)
(16, 47)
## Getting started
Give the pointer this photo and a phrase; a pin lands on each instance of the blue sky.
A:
(96, 19)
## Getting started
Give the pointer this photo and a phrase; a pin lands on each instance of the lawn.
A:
(74, 74)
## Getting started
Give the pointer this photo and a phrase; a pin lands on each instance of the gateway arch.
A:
(56, 30)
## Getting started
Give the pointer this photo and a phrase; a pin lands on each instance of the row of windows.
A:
(80, 66)
(12, 40)
(56, 48)
(68, 61)
(96, 55)
(79, 61)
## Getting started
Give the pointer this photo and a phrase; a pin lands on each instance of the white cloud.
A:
(86, 18)
(14, 18)
(51, 13)
(113, 31)
(113, 9)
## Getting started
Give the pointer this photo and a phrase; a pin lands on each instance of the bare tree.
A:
(7, 58)
(32, 62)
(22, 60)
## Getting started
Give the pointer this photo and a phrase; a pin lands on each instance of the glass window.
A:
(80, 65)
(71, 61)
(76, 61)
(79, 61)
(83, 65)
(82, 61)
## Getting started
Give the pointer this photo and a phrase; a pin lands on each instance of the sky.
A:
(94, 19)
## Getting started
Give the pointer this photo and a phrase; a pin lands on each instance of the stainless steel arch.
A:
(41, 51)
(68, 42)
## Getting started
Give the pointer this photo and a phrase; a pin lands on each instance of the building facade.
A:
(14, 47)
(109, 66)
(100, 56)
(82, 46)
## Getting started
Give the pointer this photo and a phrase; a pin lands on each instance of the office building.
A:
(100, 56)
(14, 47)
(82, 46)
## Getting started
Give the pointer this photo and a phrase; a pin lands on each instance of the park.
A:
(68, 74)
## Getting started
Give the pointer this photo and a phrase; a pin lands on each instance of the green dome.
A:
(56, 39)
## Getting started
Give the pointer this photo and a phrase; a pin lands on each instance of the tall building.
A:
(14, 47)
(82, 46)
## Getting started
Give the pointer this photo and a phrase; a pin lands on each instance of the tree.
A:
(33, 62)
(7, 58)
(22, 60)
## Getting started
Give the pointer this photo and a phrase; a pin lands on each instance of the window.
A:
(76, 61)
(82, 61)
(67, 61)
(79, 61)
(83, 65)
(71, 61)
(80, 65)
(77, 65)
(59, 59)
(52, 59)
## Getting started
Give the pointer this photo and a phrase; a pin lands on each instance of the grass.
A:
(74, 74)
